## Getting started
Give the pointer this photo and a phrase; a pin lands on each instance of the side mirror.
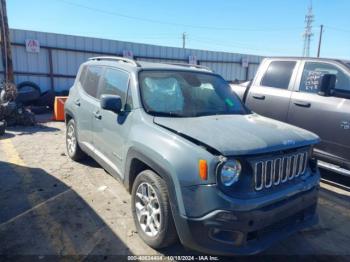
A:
(326, 84)
(111, 103)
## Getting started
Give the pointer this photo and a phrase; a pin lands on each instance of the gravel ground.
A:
(50, 205)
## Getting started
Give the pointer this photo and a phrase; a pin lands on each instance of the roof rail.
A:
(191, 65)
(116, 58)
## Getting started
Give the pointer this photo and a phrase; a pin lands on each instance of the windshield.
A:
(187, 94)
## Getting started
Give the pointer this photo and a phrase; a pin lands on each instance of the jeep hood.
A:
(238, 134)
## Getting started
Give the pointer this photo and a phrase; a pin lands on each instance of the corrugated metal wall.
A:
(60, 56)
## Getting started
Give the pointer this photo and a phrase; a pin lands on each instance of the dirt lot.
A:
(50, 205)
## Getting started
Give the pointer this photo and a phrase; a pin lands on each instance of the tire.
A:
(28, 92)
(73, 149)
(46, 99)
(40, 110)
(156, 187)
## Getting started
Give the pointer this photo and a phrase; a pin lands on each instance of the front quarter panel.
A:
(172, 152)
(171, 156)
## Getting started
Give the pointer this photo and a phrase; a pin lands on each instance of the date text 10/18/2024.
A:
(173, 258)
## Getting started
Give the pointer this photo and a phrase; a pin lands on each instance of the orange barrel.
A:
(58, 113)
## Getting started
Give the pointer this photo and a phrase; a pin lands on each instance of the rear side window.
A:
(115, 82)
(278, 74)
(82, 75)
(313, 72)
(92, 78)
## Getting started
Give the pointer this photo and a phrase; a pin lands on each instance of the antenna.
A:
(309, 19)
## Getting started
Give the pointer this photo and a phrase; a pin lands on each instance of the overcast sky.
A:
(263, 27)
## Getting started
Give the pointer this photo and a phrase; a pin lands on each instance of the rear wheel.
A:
(151, 210)
(73, 149)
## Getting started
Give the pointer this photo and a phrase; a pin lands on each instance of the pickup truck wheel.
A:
(151, 210)
(73, 149)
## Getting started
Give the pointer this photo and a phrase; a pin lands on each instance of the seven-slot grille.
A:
(272, 172)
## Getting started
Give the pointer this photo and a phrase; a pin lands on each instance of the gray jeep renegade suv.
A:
(199, 165)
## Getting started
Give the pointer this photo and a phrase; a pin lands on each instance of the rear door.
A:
(86, 103)
(329, 117)
(271, 91)
(110, 129)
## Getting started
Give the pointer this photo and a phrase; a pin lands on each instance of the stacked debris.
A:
(13, 112)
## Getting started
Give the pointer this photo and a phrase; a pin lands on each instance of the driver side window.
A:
(312, 73)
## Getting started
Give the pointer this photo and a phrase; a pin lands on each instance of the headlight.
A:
(230, 172)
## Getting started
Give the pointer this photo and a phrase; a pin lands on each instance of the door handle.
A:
(261, 97)
(301, 103)
(97, 115)
(77, 102)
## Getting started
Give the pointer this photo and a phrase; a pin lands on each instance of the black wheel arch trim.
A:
(180, 223)
(70, 113)
(132, 154)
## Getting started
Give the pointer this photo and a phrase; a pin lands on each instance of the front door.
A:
(270, 93)
(328, 117)
(110, 129)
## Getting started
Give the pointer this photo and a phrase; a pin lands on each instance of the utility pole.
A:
(184, 40)
(320, 41)
(309, 18)
(5, 43)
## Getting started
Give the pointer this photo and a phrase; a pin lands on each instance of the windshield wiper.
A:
(213, 113)
(168, 114)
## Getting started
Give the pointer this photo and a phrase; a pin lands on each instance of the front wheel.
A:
(151, 210)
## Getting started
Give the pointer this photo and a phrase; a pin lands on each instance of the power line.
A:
(309, 18)
(231, 44)
(172, 23)
(233, 47)
(338, 29)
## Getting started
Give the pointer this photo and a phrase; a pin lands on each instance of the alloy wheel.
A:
(71, 140)
(148, 209)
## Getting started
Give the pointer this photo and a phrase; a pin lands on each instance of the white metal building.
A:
(53, 59)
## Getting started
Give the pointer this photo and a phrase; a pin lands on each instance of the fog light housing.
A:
(226, 236)
(226, 216)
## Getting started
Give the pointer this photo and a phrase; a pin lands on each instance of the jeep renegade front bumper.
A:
(232, 232)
